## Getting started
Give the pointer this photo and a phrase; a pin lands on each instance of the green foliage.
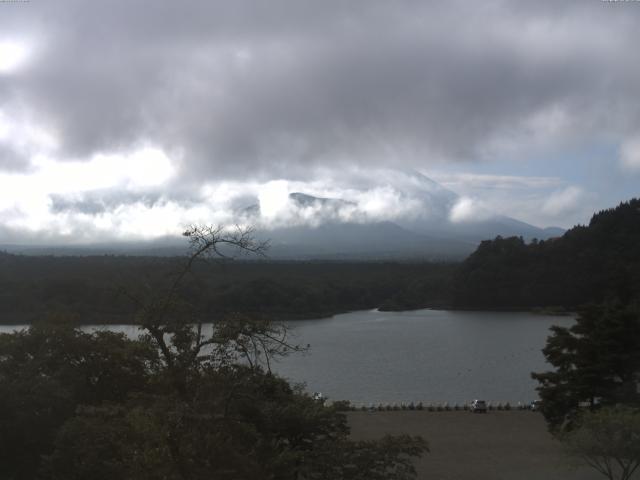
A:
(342, 406)
(388, 458)
(597, 362)
(50, 369)
(608, 440)
(587, 264)
(265, 431)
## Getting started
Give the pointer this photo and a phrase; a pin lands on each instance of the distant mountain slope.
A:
(361, 241)
(332, 227)
(476, 231)
(587, 264)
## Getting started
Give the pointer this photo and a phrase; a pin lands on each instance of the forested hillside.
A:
(102, 289)
(587, 264)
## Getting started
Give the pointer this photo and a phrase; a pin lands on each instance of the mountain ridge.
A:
(315, 227)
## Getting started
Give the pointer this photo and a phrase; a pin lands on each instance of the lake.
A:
(423, 355)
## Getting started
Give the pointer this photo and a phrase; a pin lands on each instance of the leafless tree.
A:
(174, 326)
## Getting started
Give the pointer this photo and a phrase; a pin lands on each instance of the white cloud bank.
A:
(27, 199)
(133, 196)
(562, 202)
(468, 210)
(13, 55)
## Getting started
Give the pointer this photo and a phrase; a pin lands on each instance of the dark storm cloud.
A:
(242, 89)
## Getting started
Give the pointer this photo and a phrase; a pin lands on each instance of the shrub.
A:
(342, 405)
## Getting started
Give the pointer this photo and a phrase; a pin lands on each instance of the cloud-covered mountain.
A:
(428, 221)
(374, 214)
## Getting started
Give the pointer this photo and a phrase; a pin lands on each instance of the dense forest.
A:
(103, 289)
(588, 264)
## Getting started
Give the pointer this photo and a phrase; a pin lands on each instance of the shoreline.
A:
(108, 319)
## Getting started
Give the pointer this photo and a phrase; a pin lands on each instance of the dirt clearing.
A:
(498, 445)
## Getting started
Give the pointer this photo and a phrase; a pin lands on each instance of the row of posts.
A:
(429, 407)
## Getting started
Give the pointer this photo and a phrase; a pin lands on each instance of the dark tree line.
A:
(92, 286)
(587, 264)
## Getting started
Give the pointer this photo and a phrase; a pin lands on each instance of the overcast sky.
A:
(125, 119)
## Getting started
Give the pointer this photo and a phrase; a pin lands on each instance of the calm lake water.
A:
(422, 355)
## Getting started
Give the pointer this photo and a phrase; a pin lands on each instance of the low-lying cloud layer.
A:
(223, 98)
(124, 208)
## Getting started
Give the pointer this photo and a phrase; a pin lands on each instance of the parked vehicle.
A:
(478, 406)
(535, 405)
(318, 397)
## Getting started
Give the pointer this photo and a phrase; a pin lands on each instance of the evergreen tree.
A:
(597, 363)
